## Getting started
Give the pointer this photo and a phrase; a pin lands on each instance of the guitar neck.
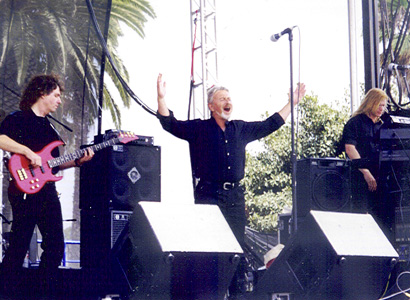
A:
(58, 161)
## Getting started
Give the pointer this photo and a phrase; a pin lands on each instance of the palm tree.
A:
(56, 36)
(395, 40)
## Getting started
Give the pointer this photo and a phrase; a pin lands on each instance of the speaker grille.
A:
(120, 176)
(322, 184)
(330, 191)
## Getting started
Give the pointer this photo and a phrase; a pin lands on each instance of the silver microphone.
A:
(393, 66)
(276, 37)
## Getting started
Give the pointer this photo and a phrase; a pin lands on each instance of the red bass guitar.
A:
(31, 180)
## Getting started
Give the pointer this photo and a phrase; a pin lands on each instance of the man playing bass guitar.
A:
(26, 132)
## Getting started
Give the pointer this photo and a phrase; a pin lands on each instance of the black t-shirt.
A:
(361, 132)
(364, 134)
(28, 129)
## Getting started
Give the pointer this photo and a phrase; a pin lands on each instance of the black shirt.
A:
(217, 155)
(26, 128)
(364, 134)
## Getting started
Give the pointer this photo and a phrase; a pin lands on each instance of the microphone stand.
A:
(293, 154)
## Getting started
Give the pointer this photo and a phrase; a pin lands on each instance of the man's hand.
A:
(161, 91)
(299, 93)
(371, 181)
(88, 155)
(161, 87)
(34, 158)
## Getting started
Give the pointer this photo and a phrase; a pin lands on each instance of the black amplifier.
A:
(402, 233)
(142, 140)
(395, 144)
(394, 134)
(402, 224)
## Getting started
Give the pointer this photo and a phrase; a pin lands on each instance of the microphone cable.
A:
(298, 75)
(107, 53)
(192, 82)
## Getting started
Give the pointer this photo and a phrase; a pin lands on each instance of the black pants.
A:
(379, 203)
(232, 205)
(44, 210)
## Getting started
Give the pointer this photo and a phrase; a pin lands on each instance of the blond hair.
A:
(371, 101)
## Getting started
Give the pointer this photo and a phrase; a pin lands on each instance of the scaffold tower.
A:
(204, 72)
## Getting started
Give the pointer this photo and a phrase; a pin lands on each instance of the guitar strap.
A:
(65, 126)
(55, 129)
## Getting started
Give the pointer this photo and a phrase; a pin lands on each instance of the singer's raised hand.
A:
(299, 93)
(161, 87)
(161, 91)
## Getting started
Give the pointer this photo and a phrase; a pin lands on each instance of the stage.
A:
(331, 256)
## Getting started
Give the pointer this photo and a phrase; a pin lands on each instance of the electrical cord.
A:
(107, 53)
(398, 286)
(192, 83)
(401, 291)
(297, 107)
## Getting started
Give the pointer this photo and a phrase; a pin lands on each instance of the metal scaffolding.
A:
(204, 55)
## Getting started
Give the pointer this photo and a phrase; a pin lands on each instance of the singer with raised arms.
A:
(217, 151)
(26, 132)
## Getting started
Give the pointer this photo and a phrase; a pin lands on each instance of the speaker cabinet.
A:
(332, 256)
(322, 184)
(178, 252)
(99, 232)
(284, 228)
(120, 176)
(97, 244)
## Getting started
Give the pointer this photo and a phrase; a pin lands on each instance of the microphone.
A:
(398, 67)
(276, 37)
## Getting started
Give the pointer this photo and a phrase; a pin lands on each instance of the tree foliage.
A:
(394, 16)
(56, 36)
(394, 31)
(268, 173)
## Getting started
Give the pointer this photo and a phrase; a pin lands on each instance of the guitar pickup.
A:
(32, 171)
(22, 174)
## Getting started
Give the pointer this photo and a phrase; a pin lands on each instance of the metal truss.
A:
(204, 55)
